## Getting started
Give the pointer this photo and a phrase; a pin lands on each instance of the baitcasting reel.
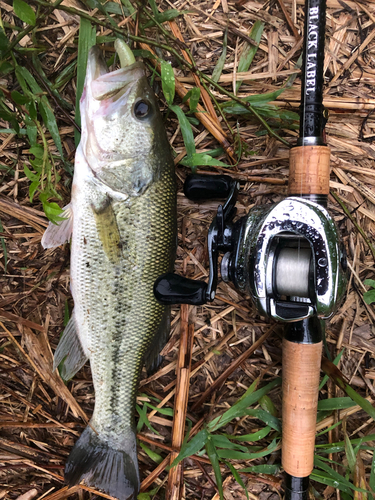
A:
(287, 256)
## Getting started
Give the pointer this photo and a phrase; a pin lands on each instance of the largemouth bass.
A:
(122, 220)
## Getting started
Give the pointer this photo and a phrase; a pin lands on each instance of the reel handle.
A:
(172, 289)
(199, 187)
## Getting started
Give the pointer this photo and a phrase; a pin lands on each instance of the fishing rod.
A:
(288, 257)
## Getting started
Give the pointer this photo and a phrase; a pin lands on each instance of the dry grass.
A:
(40, 417)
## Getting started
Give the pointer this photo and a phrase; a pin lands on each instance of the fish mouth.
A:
(113, 85)
(103, 85)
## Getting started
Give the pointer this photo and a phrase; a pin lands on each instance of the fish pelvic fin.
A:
(152, 357)
(101, 466)
(69, 355)
(58, 234)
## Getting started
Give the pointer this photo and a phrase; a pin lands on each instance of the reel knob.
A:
(207, 187)
(172, 289)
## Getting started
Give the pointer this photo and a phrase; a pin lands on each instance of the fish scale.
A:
(122, 220)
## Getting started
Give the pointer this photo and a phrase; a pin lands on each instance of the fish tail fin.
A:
(111, 470)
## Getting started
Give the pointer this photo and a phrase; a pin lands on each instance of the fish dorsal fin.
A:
(58, 234)
(69, 352)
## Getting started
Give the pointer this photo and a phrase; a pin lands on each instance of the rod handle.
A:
(301, 370)
(309, 170)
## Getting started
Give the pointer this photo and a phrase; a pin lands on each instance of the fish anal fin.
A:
(58, 234)
(69, 355)
(152, 357)
(101, 465)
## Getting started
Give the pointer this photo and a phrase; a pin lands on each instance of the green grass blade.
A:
(38, 68)
(249, 51)
(222, 441)
(31, 130)
(221, 61)
(214, 459)
(130, 10)
(65, 75)
(192, 447)
(372, 473)
(330, 428)
(237, 477)
(163, 17)
(4, 42)
(163, 411)
(324, 478)
(198, 159)
(350, 455)
(340, 446)
(335, 404)
(262, 469)
(168, 85)
(143, 419)
(155, 457)
(267, 405)
(333, 372)
(26, 80)
(239, 408)
(86, 40)
(20, 98)
(243, 398)
(335, 362)
(193, 96)
(50, 122)
(359, 445)
(25, 77)
(265, 417)
(338, 478)
(154, 7)
(234, 108)
(167, 81)
(255, 436)
(24, 12)
(239, 455)
(186, 130)
(369, 296)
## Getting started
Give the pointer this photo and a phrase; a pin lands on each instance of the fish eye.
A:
(142, 109)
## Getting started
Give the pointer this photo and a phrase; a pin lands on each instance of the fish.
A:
(122, 224)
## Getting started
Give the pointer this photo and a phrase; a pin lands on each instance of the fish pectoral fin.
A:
(108, 231)
(58, 234)
(152, 357)
(69, 355)
(101, 464)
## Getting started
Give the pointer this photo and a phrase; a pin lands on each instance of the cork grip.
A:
(309, 170)
(301, 370)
